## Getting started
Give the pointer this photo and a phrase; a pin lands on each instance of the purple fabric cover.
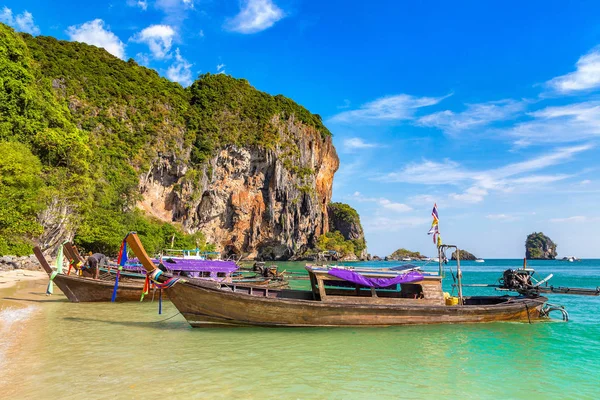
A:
(355, 277)
(188, 265)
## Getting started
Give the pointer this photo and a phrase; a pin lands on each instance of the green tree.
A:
(21, 189)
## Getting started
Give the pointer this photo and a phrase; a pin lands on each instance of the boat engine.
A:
(517, 280)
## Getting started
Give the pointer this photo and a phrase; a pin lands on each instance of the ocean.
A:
(53, 349)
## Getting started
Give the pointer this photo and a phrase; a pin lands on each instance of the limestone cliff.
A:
(539, 247)
(464, 255)
(256, 202)
(345, 219)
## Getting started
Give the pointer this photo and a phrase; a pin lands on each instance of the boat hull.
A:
(80, 289)
(209, 306)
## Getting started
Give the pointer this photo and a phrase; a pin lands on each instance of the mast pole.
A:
(459, 277)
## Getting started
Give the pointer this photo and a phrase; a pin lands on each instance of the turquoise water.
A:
(50, 348)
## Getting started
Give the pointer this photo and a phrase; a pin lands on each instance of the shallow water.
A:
(50, 348)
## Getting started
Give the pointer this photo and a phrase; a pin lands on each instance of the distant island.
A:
(404, 253)
(464, 255)
(539, 247)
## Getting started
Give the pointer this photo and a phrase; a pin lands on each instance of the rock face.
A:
(539, 247)
(464, 255)
(268, 204)
(345, 219)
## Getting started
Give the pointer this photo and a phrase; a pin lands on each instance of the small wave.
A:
(11, 324)
(11, 315)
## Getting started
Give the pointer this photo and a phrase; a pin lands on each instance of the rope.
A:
(166, 319)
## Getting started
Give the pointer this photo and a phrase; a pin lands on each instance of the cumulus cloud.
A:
(220, 68)
(159, 39)
(255, 16)
(180, 71)
(97, 34)
(389, 108)
(586, 76)
(22, 22)
(475, 116)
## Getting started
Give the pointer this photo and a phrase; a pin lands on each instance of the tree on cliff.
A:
(345, 220)
(539, 247)
(100, 126)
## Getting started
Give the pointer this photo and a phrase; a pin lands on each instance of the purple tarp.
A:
(189, 265)
(355, 277)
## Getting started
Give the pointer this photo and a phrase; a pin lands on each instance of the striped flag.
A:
(435, 226)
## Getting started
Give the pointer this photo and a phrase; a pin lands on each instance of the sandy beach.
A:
(10, 278)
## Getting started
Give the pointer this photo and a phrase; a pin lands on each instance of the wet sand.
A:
(10, 278)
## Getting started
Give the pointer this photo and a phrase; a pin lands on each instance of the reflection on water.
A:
(65, 350)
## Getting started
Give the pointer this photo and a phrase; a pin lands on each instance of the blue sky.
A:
(490, 109)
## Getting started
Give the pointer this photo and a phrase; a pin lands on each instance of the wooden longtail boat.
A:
(87, 289)
(84, 288)
(331, 303)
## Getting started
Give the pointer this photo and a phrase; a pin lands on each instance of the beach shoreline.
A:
(12, 277)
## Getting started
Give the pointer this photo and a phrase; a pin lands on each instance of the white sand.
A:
(10, 278)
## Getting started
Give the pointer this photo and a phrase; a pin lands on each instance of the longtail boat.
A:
(82, 287)
(87, 289)
(339, 298)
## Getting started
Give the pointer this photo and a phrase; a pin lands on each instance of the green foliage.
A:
(343, 212)
(103, 231)
(96, 123)
(231, 111)
(335, 241)
(21, 189)
(401, 253)
(539, 245)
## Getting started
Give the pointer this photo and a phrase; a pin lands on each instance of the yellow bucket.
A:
(452, 301)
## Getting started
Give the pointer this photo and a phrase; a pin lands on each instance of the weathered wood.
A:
(204, 306)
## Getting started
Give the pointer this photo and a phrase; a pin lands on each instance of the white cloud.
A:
(585, 77)
(585, 182)
(159, 39)
(143, 4)
(505, 178)
(142, 59)
(389, 108)
(576, 218)
(562, 124)
(255, 16)
(22, 22)
(475, 116)
(97, 34)
(502, 217)
(180, 71)
(176, 11)
(221, 69)
(474, 194)
(383, 202)
(353, 144)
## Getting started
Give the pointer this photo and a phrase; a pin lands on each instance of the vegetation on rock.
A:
(88, 125)
(403, 253)
(345, 220)
(539, 247)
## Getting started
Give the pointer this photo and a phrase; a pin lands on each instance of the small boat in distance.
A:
(480, 260)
